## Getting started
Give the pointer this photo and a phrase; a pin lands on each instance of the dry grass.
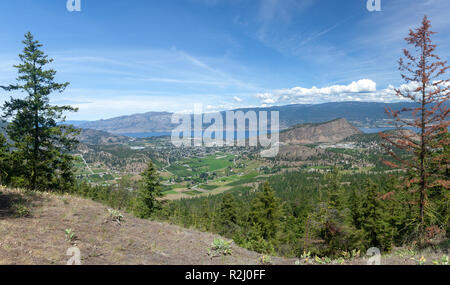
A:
(41, 238)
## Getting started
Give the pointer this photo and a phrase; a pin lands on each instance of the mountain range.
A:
(360, 114)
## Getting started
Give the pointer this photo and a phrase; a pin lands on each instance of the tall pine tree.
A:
(41, 145)
(146, 201)
(264, 220)
(375, 220)
(228, 215)
(422, 69)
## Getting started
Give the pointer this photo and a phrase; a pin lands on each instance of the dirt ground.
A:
(41, 238)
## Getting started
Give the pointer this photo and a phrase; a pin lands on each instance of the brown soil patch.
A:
(41, 238)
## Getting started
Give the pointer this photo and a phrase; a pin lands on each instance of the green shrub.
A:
(220, 247)
(70, 234)
(265, 259)
(21, 210)
(115, 216)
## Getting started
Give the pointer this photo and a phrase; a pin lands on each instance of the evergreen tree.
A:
(264, 218)
(228, 216)
(146, 201)
(3, 159)
(374, 220)
(355, 206)
(41, 145)
(205, 218)
(334, 188)
(439, 207)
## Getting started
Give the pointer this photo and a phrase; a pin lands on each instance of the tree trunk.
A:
(35, 150)
(36, 131)
(422, 146)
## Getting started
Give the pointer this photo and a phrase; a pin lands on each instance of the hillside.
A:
(41, 239)
(96, 137)
(361, 114)
(327, 132)
(375, 137)
(137, 123)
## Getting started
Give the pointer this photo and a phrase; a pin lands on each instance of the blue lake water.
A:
(375, 130)
(239, 135)
(147, 135)
(160, 134)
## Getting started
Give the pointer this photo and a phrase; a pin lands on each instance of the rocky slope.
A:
(95, 137)
(328, 132)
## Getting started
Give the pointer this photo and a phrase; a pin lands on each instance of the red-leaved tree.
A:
(422, 130)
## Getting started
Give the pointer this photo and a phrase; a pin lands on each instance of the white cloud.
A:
(361, 90)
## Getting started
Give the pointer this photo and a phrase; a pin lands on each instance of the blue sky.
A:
(124, 57)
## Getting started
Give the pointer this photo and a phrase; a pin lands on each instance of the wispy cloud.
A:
(108, 83)
(171, 66)
(321, 33)
(237, 99)
(271, 13)
(367, 44)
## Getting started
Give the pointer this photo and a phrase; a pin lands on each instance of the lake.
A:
(247, 135)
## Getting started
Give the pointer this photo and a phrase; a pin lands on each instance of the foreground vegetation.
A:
(106, 236)
(325, 214)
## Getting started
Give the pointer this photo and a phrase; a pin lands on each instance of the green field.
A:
(208, 186)
(179, 170)
(98, 178)
(192, 193)
(195, 166)
(169, 192)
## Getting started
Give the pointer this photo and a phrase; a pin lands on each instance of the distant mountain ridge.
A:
(137, 123)
(360, 114)
(87, 136)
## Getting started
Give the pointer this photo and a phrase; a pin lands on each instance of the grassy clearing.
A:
(169, 192)
(195, 166)
(228, 178)
(208, 186)
(179, 170)
(193, 192)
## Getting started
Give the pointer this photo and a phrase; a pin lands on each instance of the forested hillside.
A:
(325, 214)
